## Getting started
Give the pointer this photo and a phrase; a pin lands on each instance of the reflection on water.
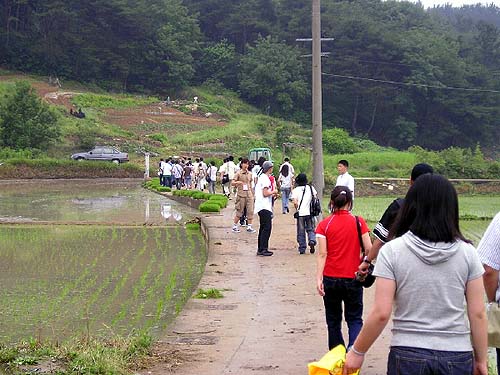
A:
(115, 275)
(101, 200)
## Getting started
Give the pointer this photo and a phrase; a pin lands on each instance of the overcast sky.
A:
(457, 3)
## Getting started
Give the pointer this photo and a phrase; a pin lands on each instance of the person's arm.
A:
(380, 314)
(371, 254)
(235, 181)
(478, 324)
(490, 279)
(320, 264)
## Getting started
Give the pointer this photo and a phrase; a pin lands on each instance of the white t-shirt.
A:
(212, 171)
(346, 180)
(167, 169)
(231, 169)
(261, 202)
(286, 182)
(306, 201)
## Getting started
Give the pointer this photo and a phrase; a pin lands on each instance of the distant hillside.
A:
(219, 124)
(467, 16)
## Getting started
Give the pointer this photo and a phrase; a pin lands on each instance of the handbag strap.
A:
(358, 227)
(301, 199)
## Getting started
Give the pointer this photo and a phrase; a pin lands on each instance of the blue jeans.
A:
(285, 198)
(305, 224)
(418, 361)
(350, 292)
(167, 180)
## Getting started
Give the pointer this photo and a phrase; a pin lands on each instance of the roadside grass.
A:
(211, 293)
(87, 355)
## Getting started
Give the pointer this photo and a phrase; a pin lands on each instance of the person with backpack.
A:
(432, 276)
(285, 185)
(211, 177)
(301, 197)
(188, 175)
(339, 244)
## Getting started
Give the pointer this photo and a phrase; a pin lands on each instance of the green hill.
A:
(219, 124)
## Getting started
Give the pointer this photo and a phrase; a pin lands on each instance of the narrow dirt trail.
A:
(270, 321)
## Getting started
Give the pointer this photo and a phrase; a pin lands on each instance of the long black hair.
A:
(284, 170)
(430, 211)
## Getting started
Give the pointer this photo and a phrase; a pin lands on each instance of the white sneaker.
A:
(236, 229)
(251, 230)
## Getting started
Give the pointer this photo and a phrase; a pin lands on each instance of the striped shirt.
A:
(489, 247)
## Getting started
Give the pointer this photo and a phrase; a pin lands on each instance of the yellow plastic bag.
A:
(332, 363)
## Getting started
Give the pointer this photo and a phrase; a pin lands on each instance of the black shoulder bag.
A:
(368, 279)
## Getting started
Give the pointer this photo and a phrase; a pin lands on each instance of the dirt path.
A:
(270, 321)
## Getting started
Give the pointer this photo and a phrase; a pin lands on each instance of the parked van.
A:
(256, 153)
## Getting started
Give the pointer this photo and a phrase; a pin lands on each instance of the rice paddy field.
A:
(121, 264)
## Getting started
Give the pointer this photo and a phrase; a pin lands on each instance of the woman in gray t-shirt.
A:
(427, 272)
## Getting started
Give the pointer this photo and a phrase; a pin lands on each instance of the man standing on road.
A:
(244, 197)
(489, 253)
(344, 178)
(264, 194)
(381, 231)
(167, 173)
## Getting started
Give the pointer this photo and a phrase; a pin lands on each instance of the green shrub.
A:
(163, 189)
(209, 207)
(220, 199)
(338, 141)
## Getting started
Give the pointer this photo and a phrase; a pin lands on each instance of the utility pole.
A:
(318, 179)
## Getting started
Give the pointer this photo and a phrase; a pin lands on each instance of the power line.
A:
(411, 84)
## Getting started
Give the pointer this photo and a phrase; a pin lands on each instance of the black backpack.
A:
(315, 205)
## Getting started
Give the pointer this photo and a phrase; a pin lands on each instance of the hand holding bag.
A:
(368, 279)
(332, 363)
(493, 325)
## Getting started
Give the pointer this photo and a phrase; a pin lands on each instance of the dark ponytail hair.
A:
(284, 170)
(430, 211)
(341, 196)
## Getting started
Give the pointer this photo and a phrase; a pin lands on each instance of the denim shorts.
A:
(418, 361)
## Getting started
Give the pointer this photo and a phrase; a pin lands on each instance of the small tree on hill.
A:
(25, 121)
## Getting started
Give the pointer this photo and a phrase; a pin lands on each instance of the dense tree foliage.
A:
(25, 121)
(397, 73)
(271, 76)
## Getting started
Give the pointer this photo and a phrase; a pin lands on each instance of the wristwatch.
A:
(365, 260)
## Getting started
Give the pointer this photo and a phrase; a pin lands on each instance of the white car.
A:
(102, 153)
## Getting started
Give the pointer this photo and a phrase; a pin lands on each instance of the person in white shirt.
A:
(211, 177)
(285, 185)
(302, 196)
(344, 178)
(224, 178)
(264, 194)
(202, 172)
(286, 161)
(167, 173)
(489, 254)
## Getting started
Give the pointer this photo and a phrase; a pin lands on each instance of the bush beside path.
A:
(271, 319)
